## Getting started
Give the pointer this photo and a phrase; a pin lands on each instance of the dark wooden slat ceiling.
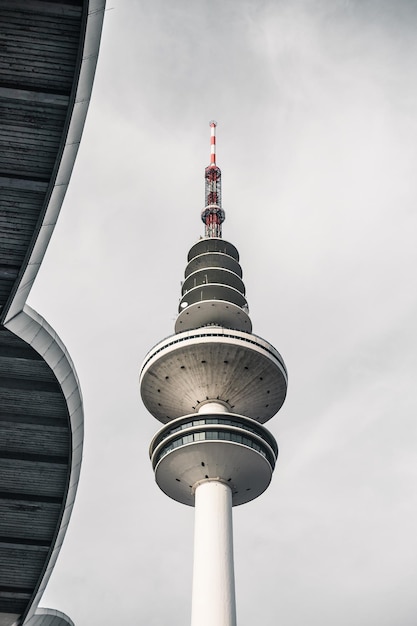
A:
(41, 43)
(35, 457)
(39, 61)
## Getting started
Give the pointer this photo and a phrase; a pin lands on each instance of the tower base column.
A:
(213, 600)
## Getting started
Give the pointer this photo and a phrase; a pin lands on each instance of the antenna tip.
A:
(213, 123)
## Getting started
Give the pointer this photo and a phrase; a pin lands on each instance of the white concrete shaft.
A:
(213, 407)
(213, 601)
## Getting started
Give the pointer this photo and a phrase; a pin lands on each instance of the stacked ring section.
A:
(213, 291)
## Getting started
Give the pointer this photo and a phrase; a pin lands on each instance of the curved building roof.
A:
(49, 617)
(49, 55)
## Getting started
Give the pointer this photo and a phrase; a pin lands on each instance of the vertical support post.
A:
(213, 599)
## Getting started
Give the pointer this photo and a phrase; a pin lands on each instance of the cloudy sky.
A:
(317, 140)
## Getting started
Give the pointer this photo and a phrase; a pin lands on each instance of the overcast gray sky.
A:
(317, 141)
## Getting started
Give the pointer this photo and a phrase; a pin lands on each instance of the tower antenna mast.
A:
(213, 215)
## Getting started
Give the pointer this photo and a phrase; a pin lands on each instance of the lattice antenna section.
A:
(213, 215)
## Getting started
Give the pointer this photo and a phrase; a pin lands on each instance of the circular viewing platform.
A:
(186, 370)
(213, 312)
(213, 244)
(230, 448)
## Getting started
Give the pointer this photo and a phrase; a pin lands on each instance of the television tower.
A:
(213, 384)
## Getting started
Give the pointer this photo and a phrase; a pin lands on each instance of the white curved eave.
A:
(82, 100)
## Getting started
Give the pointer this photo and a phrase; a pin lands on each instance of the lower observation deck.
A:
(225, 447)
(184, 371)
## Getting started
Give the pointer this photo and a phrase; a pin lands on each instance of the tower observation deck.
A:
(213, 384)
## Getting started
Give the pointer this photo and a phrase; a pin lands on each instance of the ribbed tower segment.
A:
(213, 384)
(213, 291)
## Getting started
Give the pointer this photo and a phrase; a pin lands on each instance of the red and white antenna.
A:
(213, 125)
(213, 215)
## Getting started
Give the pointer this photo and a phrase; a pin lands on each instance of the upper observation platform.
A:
(49, 55)
(186, 370)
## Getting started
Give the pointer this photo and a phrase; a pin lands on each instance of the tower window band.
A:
(220, 435)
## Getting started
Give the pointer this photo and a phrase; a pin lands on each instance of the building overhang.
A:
(49, 57)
